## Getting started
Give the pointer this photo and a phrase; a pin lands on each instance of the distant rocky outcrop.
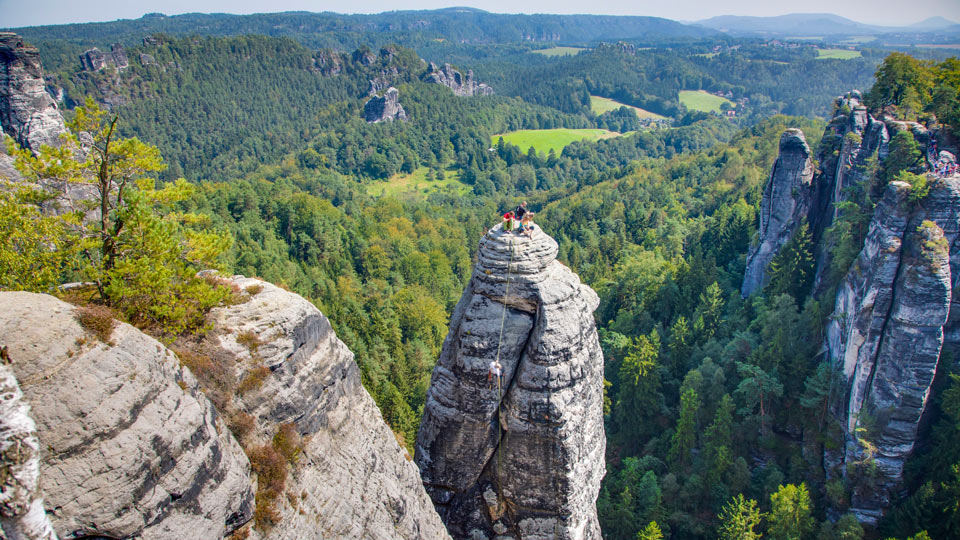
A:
(27, 112)
(524, 460)
(353, 479)
(130, 446)
(886, 335)
(94, 59)
(384, 109)
(454, 80)
(893, 313)
(783, 210)
(852, 137)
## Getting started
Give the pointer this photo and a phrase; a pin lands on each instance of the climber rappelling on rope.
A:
(494, 374)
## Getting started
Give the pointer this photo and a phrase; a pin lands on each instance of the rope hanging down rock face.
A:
(501, 500)
(503, 319)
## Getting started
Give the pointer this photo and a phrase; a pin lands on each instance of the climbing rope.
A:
(503, 319)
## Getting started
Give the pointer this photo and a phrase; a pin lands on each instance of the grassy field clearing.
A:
(701, 100)
(938, 45)
(600, 105)
(559, 51)
(416, 184)
(543, 140)
(838, 54)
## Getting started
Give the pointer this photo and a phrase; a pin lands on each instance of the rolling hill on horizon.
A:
(327, 29)
(819, 24)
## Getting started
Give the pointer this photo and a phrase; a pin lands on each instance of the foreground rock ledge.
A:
(353, 479)
(130, 447)
(524, 461)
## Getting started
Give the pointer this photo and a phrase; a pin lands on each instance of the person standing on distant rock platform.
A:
(519, 215)
(508, 221)
(496, 370)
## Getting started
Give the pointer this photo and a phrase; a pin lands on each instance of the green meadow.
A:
(544, 140)
(416, 184)
(600, 105)
(701, 100)
(559, 51)
(836, 54)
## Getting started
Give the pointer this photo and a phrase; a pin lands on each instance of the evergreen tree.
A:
(709, 312)
(650, 532)
(739, 518)
(790, 513)
(685, 438)
(142, 255)
(638, 400)
(757, 388)
(791, 270)
(904, 155)
(718, 442)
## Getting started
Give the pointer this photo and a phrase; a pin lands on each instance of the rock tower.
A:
(523, 459)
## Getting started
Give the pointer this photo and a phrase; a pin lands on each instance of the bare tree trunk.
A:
(21, 508)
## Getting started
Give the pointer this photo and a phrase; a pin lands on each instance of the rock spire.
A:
(454, 80)
(27, 112)
(523, 460)
(786, 201)
(384, 109)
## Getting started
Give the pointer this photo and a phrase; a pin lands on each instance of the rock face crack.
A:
(539, 477)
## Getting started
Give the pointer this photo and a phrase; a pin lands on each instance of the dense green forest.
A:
(282, 97)
(346, 32)
(708, 397)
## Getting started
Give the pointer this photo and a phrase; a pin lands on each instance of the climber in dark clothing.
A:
(518, 216)
(520, 211)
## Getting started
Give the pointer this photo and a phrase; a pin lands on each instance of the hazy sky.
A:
(14, 13)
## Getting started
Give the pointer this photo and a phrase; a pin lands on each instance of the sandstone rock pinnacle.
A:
(786, 201)
(523, 460)
(384, 109)
(887, 332)
(27, 112)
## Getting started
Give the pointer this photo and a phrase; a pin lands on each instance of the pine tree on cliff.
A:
(904, 155)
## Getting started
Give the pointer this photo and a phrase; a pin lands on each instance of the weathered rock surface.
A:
(27, 112)
(525, 460)
(784, 208)
(353, 479)
(22, 515)
(454, 80)
(850, 140)
(894, 310)
(887, 332)
(131, 448)
(384, 109)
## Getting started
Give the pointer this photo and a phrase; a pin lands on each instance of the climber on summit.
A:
(495, 370)
(523, 216)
